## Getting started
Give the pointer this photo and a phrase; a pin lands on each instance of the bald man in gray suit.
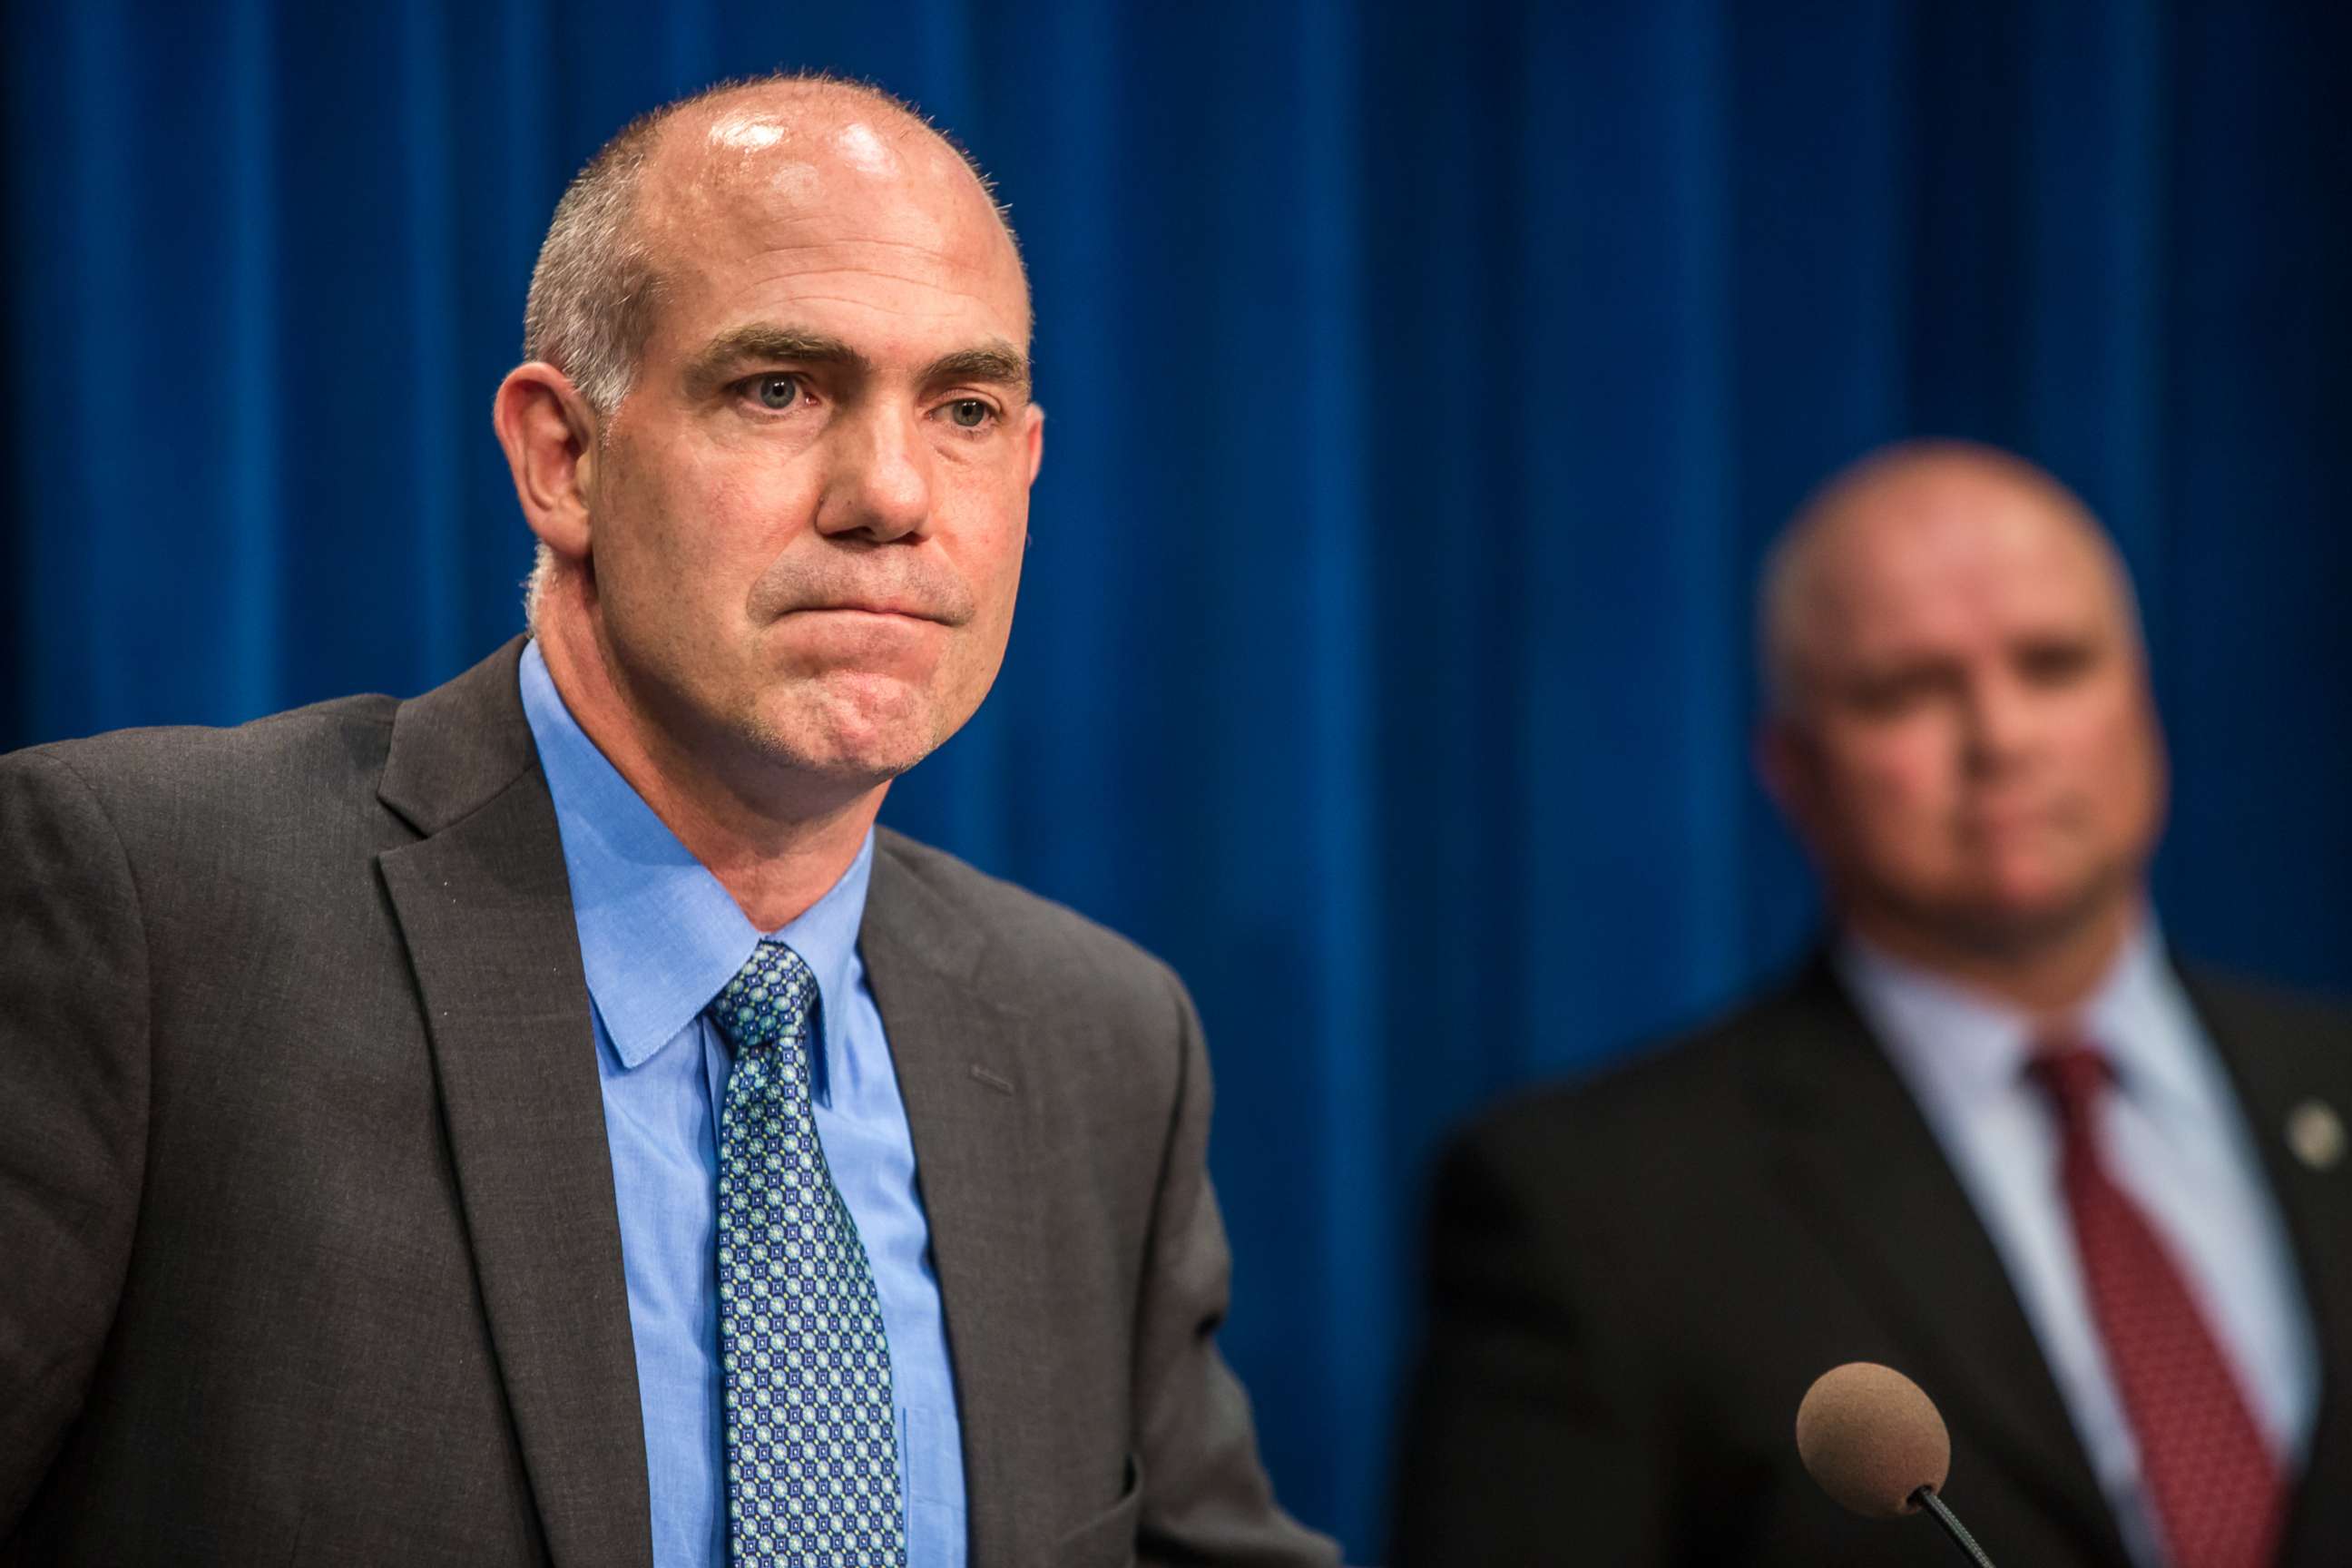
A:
(546, 1121)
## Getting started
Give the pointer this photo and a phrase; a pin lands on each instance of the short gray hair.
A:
(592, 294)
(591, 305)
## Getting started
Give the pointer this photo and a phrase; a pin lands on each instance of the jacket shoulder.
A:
(1673, 1113)
(2235, 999)
(187, 772)
(1623, 1098)
(1039, 950)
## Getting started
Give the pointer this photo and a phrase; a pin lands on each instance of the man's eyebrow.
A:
(747, 345)
(999, 364)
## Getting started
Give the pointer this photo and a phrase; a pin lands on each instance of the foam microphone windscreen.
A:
(1872, 1438)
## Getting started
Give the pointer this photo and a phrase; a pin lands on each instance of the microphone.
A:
(1876, 1444)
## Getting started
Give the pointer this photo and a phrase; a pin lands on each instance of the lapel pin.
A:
(2316, 1134)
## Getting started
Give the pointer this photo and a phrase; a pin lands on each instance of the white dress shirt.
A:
(2173, 1138)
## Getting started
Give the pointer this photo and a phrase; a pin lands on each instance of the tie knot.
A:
(768, 1002)
(2074, 1074)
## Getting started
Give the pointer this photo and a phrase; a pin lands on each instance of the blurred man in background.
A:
(546, 1118)
(1992, 1135)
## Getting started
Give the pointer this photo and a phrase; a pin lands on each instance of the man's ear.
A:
(550, 436)
(1036, 438)
(1786, 767)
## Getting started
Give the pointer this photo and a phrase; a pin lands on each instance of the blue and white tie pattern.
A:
(811, 1444)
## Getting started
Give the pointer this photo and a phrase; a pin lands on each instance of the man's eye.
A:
(777, 392)
(2054, 663)
(968, 413)
(1892, 696)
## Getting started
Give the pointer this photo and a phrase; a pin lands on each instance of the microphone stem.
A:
(1926, 1498)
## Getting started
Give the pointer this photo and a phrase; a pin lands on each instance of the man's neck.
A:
(776, 854)
(2050, 977)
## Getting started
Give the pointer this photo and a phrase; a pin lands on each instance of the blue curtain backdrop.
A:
(1423, 383)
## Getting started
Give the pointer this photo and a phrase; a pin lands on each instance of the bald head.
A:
(643, 208)
(1961, 730)
(776, 443)
(1915, 515)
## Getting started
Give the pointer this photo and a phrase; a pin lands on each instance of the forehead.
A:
(761, 205)
(1958, 564)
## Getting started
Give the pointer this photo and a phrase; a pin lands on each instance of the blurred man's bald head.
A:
(1914, 509)
(1961, 730)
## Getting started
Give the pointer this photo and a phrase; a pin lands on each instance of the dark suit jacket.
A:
(308, 1209)
(1635, 1282)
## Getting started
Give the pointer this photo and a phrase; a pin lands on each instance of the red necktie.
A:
(2219, 1492)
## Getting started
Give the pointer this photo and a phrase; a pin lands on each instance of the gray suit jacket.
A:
(308, 1211)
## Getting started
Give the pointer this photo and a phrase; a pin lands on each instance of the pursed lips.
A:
(2010, 820)
(880, 608)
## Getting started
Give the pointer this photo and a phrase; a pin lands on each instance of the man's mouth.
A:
(880, 608)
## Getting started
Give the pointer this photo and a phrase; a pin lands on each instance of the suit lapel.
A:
(485, 908)
(960, 1074)
(1864, 1165)
(2292, 1065)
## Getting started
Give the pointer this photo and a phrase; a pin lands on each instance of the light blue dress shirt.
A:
(2175, 1140)
(658, 938)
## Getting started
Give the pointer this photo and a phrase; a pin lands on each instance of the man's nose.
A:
(880, 480)
(2001, 719)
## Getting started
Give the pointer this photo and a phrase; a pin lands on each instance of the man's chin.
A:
(2025, 917)
(849, 773)
(849, 763)
(855, 739)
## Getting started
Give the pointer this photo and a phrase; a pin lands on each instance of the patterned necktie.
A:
(811, 1444)
(2218, 1492)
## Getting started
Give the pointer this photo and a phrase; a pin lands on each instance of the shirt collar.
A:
(1967, 1048)
(2143, 1019)
(659, 935)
